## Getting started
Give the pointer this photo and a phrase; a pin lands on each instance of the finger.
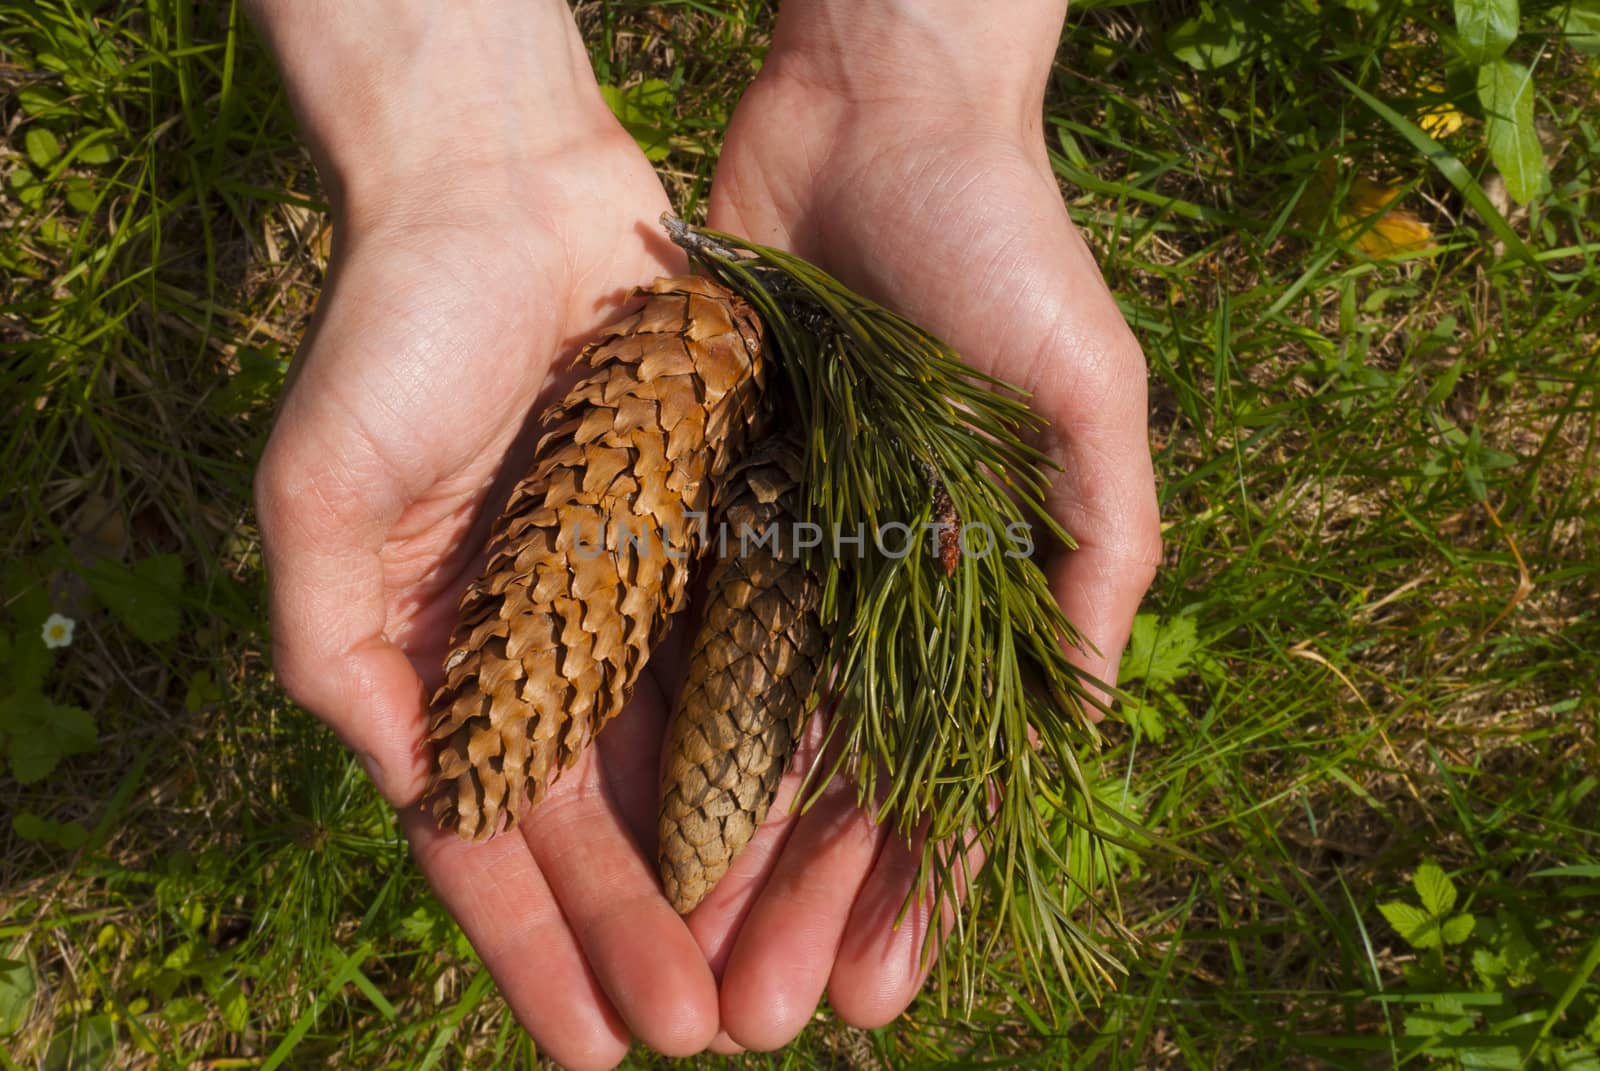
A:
(786, 948)
(637, 946)
(884, 958)
(508, 912)
(880, 965)
(325, 588)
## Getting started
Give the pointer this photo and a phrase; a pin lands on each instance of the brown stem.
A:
(693, 242)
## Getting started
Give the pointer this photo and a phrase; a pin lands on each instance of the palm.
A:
(407, 422)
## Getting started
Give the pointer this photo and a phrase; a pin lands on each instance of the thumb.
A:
(325, 589)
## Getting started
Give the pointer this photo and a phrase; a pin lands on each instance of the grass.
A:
(1371, 646)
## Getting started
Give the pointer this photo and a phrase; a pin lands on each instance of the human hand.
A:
(900, 146)
(489, 213)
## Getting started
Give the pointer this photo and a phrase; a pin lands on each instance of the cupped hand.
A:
(451, 307)
(938, 201)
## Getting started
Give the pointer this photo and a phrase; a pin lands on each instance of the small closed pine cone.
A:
(749, 680)
(553, 635)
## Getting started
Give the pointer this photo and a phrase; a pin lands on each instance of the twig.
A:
(694, 243)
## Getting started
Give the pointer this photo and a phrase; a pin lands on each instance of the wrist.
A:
(408, 104)
(927, 55)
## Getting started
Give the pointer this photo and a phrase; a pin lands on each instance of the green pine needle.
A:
(938, 677)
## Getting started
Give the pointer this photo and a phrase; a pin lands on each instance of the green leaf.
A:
(30, 826)
(1435, 889)
(1445, 1015)
(80, 194)
(1578, 1058)
(1490, 967)
(1506, 91)
(41, 145)
(182, 1011)
(24, 593)
(1445, 384)
(235, 1006)
(1160, 652)
(40, 830)
(24, 660)
(54, 232)
(1582, 26)
(1210, 40)
(1457, 928)
(41, 102)
(17, 987)
(648, 112)
(1419, 928)
(421, 926)
(202, 691)
(95, 148)
(144, 597)
(87, 1044)
(43, 733)
(180, 957)
(30, 194)
(258, 380)
(1486, 28)
(1146, 716)
(1490, 1058)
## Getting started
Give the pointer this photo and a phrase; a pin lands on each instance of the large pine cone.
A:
(593, 552)
(748, 685)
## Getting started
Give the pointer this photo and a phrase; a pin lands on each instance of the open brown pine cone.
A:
(592, 554)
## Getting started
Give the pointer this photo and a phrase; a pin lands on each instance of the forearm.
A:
(398, 93)
(996, 53)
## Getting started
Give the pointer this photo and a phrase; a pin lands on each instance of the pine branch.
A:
(945, 655)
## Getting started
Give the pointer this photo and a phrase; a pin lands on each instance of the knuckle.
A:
(271, 489)
(298, 684)
(1146, 548)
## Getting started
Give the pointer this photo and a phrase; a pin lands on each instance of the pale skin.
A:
(490, 215)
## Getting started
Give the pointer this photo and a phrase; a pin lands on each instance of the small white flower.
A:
(58, 630)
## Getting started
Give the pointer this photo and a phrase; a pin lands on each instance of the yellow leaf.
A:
(1440, 120)
(1378, 228)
